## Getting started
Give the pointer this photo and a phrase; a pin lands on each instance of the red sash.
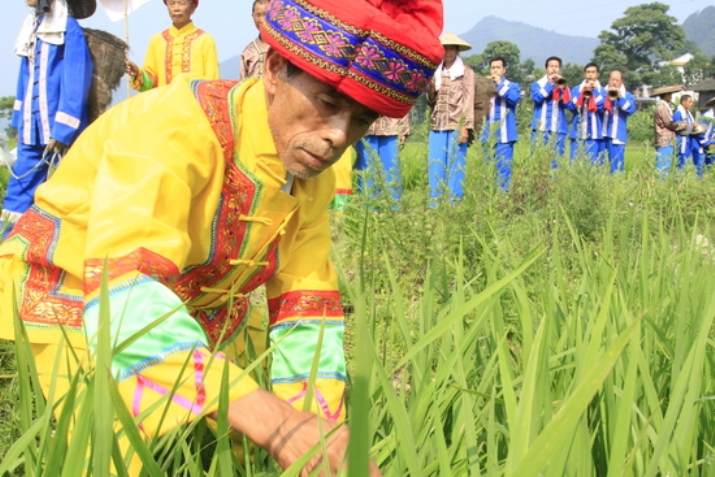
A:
(560, 93)
(591, 106)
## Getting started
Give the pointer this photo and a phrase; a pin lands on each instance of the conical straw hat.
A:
(667, 89)
(450, 39)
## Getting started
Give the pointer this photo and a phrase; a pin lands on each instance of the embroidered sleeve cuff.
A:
(145, 82)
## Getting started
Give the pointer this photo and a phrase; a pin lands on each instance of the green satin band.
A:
(293, 357)
(147, 83)
(131, 309)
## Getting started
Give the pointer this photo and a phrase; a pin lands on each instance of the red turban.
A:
(382, 53)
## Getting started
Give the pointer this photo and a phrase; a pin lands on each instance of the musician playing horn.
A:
(551, 94)
(502, 117)
(587, 123)
(618, 106)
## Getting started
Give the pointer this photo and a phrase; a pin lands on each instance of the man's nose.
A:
(338, 130)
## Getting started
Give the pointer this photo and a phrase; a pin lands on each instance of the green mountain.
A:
(700, 28)
(533, 42)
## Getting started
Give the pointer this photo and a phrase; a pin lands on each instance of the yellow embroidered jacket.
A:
(174, 51)
(178, 194)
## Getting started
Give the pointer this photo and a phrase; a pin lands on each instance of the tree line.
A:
(645, 35)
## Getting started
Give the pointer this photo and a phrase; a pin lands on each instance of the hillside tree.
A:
(645, 33)
(6, 105)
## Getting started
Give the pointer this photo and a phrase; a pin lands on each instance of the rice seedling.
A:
(563, 329)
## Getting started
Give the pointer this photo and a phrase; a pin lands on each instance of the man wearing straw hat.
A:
(707, 121)
(183, 48)
(501, 122)
(183, 200)
(254, 54)
(50, 108)
(665, 127)
(451, 97)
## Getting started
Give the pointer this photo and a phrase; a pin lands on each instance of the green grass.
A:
(562, 329)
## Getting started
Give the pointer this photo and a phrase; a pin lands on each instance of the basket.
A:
(108, 55)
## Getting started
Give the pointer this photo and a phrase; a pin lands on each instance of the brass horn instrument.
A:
(587, 93)
(613, 94)
(561, 81)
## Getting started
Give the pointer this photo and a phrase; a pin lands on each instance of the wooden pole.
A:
(126, 39)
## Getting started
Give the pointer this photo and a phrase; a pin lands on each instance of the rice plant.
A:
(562, 329)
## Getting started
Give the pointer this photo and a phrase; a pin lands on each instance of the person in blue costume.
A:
(689, 141)
(618, 107)
(587, 105)
(550, 94)
(502, 118)
(51, 103)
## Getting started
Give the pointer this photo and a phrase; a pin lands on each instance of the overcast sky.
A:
(230, 23)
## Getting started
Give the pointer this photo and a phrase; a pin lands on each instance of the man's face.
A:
(259, 13)
(591, 73)
(450, 54)
(180, 11)
(311, 123)
(687, 103)
(553, 68)
(615, 80)
(497, 68)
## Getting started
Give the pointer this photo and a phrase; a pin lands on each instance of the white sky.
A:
(230, 23)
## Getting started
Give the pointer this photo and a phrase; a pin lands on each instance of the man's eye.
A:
(328, 103)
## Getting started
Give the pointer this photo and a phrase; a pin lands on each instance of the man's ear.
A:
(274, 71)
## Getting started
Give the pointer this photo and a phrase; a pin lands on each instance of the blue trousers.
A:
(546, 137)
(446, 163)
(616, 155)
(385, 149)
(503, 154)
(32, 172)
(663, 159)
(696, 155)
(592, 148)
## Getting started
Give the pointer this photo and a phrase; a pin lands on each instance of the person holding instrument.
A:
(501, 121)
(587, 123)
(551, 95)
(707, 121)
(618, 106)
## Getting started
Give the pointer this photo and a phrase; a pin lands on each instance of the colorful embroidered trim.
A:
(195, 406)
(43, 306)
(185, 53)
(141, 260)
(321, 402)
(364, 56)
(302, 304)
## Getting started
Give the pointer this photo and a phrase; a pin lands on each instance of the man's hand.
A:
(286, 433)
(55, 145)
(401, 140)
(132, 69)
(463, 135)
(496, 79)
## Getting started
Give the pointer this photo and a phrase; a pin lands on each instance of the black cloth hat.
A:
(81, 9)
(78, 9)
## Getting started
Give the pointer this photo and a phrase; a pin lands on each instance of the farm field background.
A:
(562, 329)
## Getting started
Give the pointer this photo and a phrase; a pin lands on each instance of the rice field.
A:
(562, 329)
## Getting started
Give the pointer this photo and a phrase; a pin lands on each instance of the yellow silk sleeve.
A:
(210, 58)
